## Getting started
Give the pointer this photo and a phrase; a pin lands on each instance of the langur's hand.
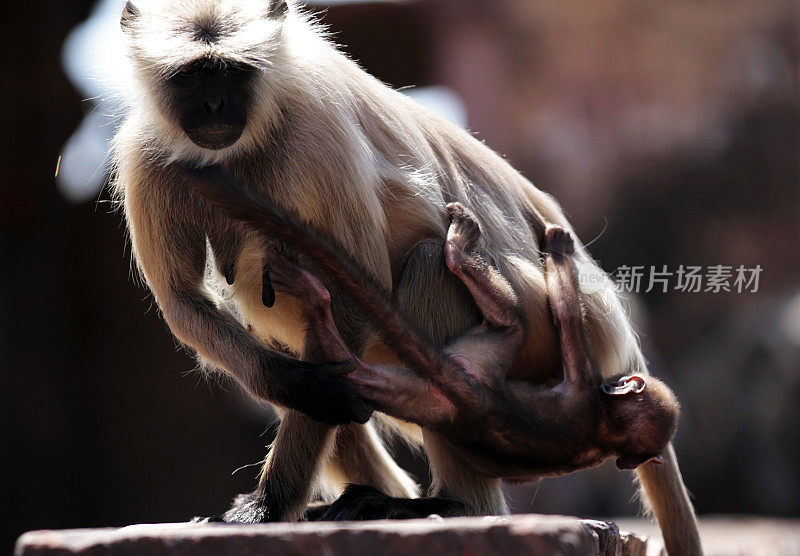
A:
(326, 395)
(321, 391)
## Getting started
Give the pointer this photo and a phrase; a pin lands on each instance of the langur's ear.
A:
(278, 9)
(632, 462)
(630, 384)
(129, 16)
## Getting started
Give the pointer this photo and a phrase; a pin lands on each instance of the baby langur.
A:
(506, 428)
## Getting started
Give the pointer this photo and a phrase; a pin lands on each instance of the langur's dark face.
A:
(211, 99)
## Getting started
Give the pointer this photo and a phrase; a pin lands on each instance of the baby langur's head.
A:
(640, 414)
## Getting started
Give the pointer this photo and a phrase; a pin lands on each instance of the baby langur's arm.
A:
(565, 306)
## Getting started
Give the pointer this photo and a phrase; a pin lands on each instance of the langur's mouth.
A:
(215, 138)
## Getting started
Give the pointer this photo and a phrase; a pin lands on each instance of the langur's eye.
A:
(239, 70)
(185, 71)
(188, 69)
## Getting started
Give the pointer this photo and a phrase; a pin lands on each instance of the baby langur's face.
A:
(642, 414)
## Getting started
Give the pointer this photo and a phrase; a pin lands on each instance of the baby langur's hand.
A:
(558, 241)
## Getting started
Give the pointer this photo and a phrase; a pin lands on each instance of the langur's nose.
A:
(214, 105)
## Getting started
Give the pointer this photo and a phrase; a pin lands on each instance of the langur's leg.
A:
(360, 457)
(454, 479)
(357, 454)
(302, 445)
(446, 309)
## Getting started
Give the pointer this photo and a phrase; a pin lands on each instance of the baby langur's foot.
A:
(287, 277)
(558, 241)
(462, 235)
(323, 342)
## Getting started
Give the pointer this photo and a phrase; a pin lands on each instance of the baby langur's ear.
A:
(630, 384)
(628, 462)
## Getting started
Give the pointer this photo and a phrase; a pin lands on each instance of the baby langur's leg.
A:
(565, 307)
(494, 296)
(323, 342)
(396, 390)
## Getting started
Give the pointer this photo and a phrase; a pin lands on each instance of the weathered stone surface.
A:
(732, 535)
(528, 534)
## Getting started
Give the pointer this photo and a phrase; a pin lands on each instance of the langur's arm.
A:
(169, 243)
(565, 307)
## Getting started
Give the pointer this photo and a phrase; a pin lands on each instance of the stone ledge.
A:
(732, 535)
(526, 534)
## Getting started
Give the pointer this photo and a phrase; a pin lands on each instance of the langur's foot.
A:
(360, 502)
(287, 277)
(249, 508)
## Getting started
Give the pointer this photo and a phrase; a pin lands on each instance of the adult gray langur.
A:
(256, 88)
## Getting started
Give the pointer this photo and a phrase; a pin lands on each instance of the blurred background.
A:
(669, 131)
